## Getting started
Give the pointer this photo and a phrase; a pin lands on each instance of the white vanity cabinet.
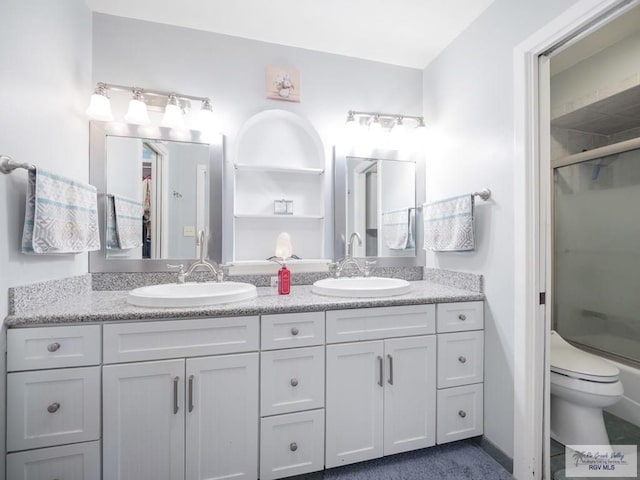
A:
(460, 370)
(242, 397)
(381, 395)
(53, 413)
(193, 418)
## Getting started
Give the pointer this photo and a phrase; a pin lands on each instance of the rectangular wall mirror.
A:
(157, 188)
(378, 194)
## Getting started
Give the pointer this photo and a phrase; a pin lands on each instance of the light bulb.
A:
(172, 114)
(398, 133)
(100, 106)
(375, 127)
(206, 118)
(137, 113)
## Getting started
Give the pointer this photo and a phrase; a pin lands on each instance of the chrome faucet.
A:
(340, 265)
(202, 262)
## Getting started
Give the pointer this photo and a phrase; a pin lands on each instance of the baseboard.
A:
(627, 410)
(494, 452)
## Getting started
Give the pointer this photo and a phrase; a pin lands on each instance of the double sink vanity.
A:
(267, 387)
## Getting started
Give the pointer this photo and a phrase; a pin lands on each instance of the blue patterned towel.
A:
(448, 224)
(124, 223)
(61, 215)
(395, 228)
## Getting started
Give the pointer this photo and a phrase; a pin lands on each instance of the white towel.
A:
(124, 223)
(395, 228)
(448, 224)
(61, 215)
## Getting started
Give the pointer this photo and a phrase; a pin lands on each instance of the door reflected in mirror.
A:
(157, 197)
(380, 206)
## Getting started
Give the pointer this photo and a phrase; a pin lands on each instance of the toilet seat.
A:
(572, 362)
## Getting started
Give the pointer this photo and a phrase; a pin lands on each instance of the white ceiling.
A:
(401, 32)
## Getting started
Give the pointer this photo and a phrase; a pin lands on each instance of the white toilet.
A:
(582, 384)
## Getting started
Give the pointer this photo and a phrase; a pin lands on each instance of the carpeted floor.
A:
(454, 461)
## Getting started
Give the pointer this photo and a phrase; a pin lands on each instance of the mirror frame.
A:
(98, 261)
(340, 156)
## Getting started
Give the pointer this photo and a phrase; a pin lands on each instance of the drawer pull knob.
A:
(293, 446)
(462, 413)
(294, 382)
(53, 408)
(295, 331)
(53, 347)
(462, 317)
(462, 359)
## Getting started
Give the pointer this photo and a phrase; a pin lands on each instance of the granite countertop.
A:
(109, 306)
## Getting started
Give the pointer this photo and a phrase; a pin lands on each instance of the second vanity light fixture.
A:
(377, 122)
(175, 105)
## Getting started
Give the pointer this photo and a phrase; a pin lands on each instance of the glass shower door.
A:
(597, 254)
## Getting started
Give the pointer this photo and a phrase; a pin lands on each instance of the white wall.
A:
(46, 56)
(231, 71)
(468, 105)
(45, 49)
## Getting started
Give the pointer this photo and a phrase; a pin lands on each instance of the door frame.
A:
(531, 233)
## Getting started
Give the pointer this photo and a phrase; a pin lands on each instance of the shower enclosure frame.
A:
(576, 159)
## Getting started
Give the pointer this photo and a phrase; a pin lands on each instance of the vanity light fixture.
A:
(174, 105)
(137, 113)
(379, 121)
(100, 105)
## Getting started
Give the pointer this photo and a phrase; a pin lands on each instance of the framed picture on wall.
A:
(283, 83)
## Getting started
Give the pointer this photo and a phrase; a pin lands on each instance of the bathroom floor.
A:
(462, 460)
(620, 432)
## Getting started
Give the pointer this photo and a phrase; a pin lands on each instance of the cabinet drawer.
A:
(292, 330)
(378, 323)
(292, 380)
(53, 347)
(80, 461)
(132, 342)
(460, 413)
(460, 358)
(461, 316)
(291, 444)
(52, 407)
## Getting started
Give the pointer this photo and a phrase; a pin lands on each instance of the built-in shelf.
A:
(279, 217)
(279, 169)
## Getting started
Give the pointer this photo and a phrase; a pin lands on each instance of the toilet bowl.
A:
(582, 385)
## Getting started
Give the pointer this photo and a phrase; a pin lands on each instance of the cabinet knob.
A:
(295, 331)
(462, 317)
(52, 347)
(462, 413)
(294, 382)
(53, 408)
(293, 446)
(462, 359)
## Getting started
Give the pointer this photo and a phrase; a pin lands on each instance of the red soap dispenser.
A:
(283, 252)
(284, 280)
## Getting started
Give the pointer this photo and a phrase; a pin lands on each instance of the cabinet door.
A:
(410, 394)
(222, 417)
(355, 392)
(143, 421)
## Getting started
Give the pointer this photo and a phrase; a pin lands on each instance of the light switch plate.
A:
(189, 231)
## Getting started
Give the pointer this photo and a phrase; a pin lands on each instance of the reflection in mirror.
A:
(156, 191)
(168, 183)
(376, 196)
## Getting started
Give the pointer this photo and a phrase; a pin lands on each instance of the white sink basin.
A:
(191, 294)
(361, 287)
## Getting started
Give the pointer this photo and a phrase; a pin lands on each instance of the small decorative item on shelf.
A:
(283, 207)
(283, 252)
